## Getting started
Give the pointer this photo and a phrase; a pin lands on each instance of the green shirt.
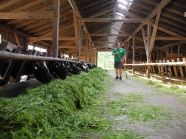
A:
(121, 52)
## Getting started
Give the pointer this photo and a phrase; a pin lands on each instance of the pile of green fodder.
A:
(54, 110)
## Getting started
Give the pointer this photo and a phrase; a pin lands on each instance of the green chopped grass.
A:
(146, 113)
(151, 82)
(132, 105)
(55, 110)
(122, 135)
(134, 98)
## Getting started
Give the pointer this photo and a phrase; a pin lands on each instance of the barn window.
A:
(40, 49)
(31, 47)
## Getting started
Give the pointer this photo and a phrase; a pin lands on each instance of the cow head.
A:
(58, 68)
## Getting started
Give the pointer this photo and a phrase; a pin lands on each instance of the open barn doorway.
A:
(105, 60)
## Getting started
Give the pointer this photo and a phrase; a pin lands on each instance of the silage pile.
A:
(54, 110)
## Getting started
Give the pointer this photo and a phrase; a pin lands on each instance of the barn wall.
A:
(9, 36)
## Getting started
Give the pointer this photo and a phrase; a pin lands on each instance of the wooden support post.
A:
(163, 68)
(162, 54)
(133, 48)
(159, 69)
(167, 51)
(87, 46)
(80, 37)
(76, 31)
(171, 51)
(96, 57)
(90, 51)
(153, 70)
(184, 60)
(127, 50)
(175, 70)
(145, 40)
(179, 49)
(169, 69)
(180, 68)
(16, 39)
(56, 18)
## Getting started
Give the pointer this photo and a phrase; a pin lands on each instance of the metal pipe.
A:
(8, 55)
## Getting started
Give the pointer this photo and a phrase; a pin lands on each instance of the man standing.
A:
(119, 57)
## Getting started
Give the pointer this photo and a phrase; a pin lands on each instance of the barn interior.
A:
(151, 31)
(64, 95)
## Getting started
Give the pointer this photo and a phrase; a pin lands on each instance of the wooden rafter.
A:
(74, 6)
(7, 4)
(152, 40)
(35, 39)
(105, 34)
(135, 20)
(162, 4)
(26, 15)
(101, 13)
(28, 5)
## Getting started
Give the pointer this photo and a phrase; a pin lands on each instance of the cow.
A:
(37, 68)
(91, 65)
(83, 66)
(73, 68)
(59, 69)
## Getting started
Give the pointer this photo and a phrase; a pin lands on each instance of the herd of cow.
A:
(43, 71)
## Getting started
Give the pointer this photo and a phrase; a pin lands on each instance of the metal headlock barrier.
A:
(16, 56)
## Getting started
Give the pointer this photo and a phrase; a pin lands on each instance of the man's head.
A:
(118, 45)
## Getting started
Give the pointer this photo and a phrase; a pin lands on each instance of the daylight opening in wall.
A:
(31, 47)
(105, 60)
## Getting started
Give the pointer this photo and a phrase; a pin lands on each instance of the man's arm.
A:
(114, 53)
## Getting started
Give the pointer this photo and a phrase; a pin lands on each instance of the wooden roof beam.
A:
(28, 5)
(74, 6)
(105, 34)
(69, 46)
(171, 38)
(48, 32)
(49, 7)
(168, 45)
(35, 39)
(168, 31)
(7, 4)
(27, 15)
(3, 27)
(135, 20)
(162, 4)
(102, 13)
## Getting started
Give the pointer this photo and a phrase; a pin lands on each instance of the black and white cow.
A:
(74, 69)
(37, 68)
(58, 68)
(91, 65)
(83, 66)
